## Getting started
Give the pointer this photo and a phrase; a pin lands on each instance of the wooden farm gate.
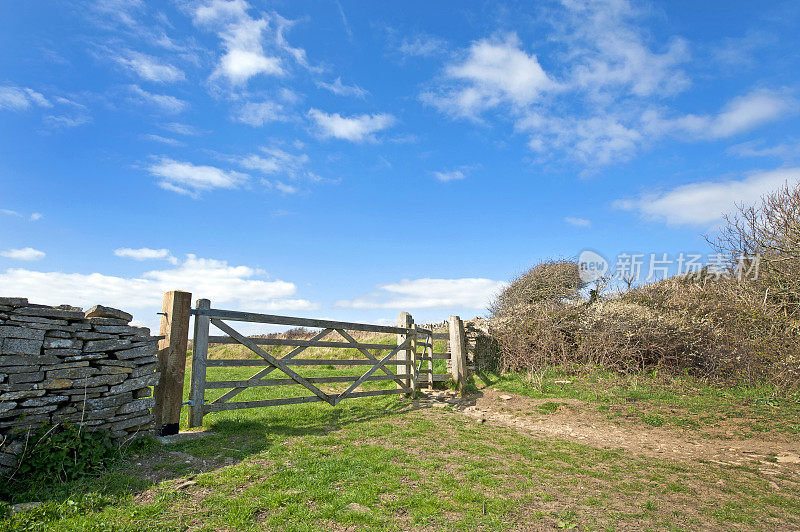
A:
(413, 351)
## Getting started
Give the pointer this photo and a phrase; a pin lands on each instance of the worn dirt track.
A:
(580, 422)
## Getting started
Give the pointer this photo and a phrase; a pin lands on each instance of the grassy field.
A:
(665, 400)
(390, 463)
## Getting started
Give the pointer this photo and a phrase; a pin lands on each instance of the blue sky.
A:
(354, 159)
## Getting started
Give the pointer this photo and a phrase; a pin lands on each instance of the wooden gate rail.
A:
(301, 362)
(401, 363)
(205, 316)
(300, 322)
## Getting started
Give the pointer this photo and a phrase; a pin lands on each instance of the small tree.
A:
(769, 230)
(535, 317)
(550, 280)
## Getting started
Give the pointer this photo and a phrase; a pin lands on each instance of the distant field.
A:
(388, 463)
(234, 351)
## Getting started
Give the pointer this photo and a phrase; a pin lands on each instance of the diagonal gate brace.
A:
(299, 379)
(369, 355)
(266, 371)
(372, 370)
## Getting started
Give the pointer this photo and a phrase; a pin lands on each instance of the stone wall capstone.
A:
(63, 365)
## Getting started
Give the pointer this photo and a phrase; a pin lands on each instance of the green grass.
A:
(383, 463)
(548, 408)
(665, 400)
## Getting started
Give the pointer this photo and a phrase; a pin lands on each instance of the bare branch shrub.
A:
(535, 318)
(713, 323)
(770, 230)
(550, 280)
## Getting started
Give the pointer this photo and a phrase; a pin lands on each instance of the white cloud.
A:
(298, 54)
(785, 151)
(705, 202)
(493, 73)
(346, 24)
(182, 129)
(239, 287)
(274, 161)
(221, 10)
(242, 37)
(21, 98)
(422, 45)
(473, 293)
(190, 179)
(578, 222)
(340, 89)
(608, 53)
(596, 139)
(587, 103)
(23, 254)
(257, 114)
(741, 114)
(451, 175)
(163, 140)
(67, 121)
(33, 217)
(357, 128)
(164, 102)
(124, 12)
(617, 136)
(738, 54)
(284, 188)
(241, 65)
(150, 68)
(145, 254)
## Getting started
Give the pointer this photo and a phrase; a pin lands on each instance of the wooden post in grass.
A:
(404, 355)
(197, 390)
(413, 358)
(458, 352)
(168, 393)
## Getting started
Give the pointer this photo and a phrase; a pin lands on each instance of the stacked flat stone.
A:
(60, 364)
(482, 349)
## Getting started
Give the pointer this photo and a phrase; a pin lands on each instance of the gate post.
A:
(197, 391)
(404, 355)
(168, 393)
(414, 375)
(458, 352)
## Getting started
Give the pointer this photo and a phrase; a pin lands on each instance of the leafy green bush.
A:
(63, 453)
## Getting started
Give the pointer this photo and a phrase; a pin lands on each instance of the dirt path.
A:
(580, 422)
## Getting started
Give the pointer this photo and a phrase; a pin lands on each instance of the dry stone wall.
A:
(482, 348)
(61, 364)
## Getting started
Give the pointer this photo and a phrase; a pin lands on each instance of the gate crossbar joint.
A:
(266, 371)
(299, 379)
(372, 370)
(369, 355)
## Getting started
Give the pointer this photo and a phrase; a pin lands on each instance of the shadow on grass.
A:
(230, 439)
(253, 434)
(485, 377)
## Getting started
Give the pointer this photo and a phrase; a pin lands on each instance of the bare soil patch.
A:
(580, 421)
